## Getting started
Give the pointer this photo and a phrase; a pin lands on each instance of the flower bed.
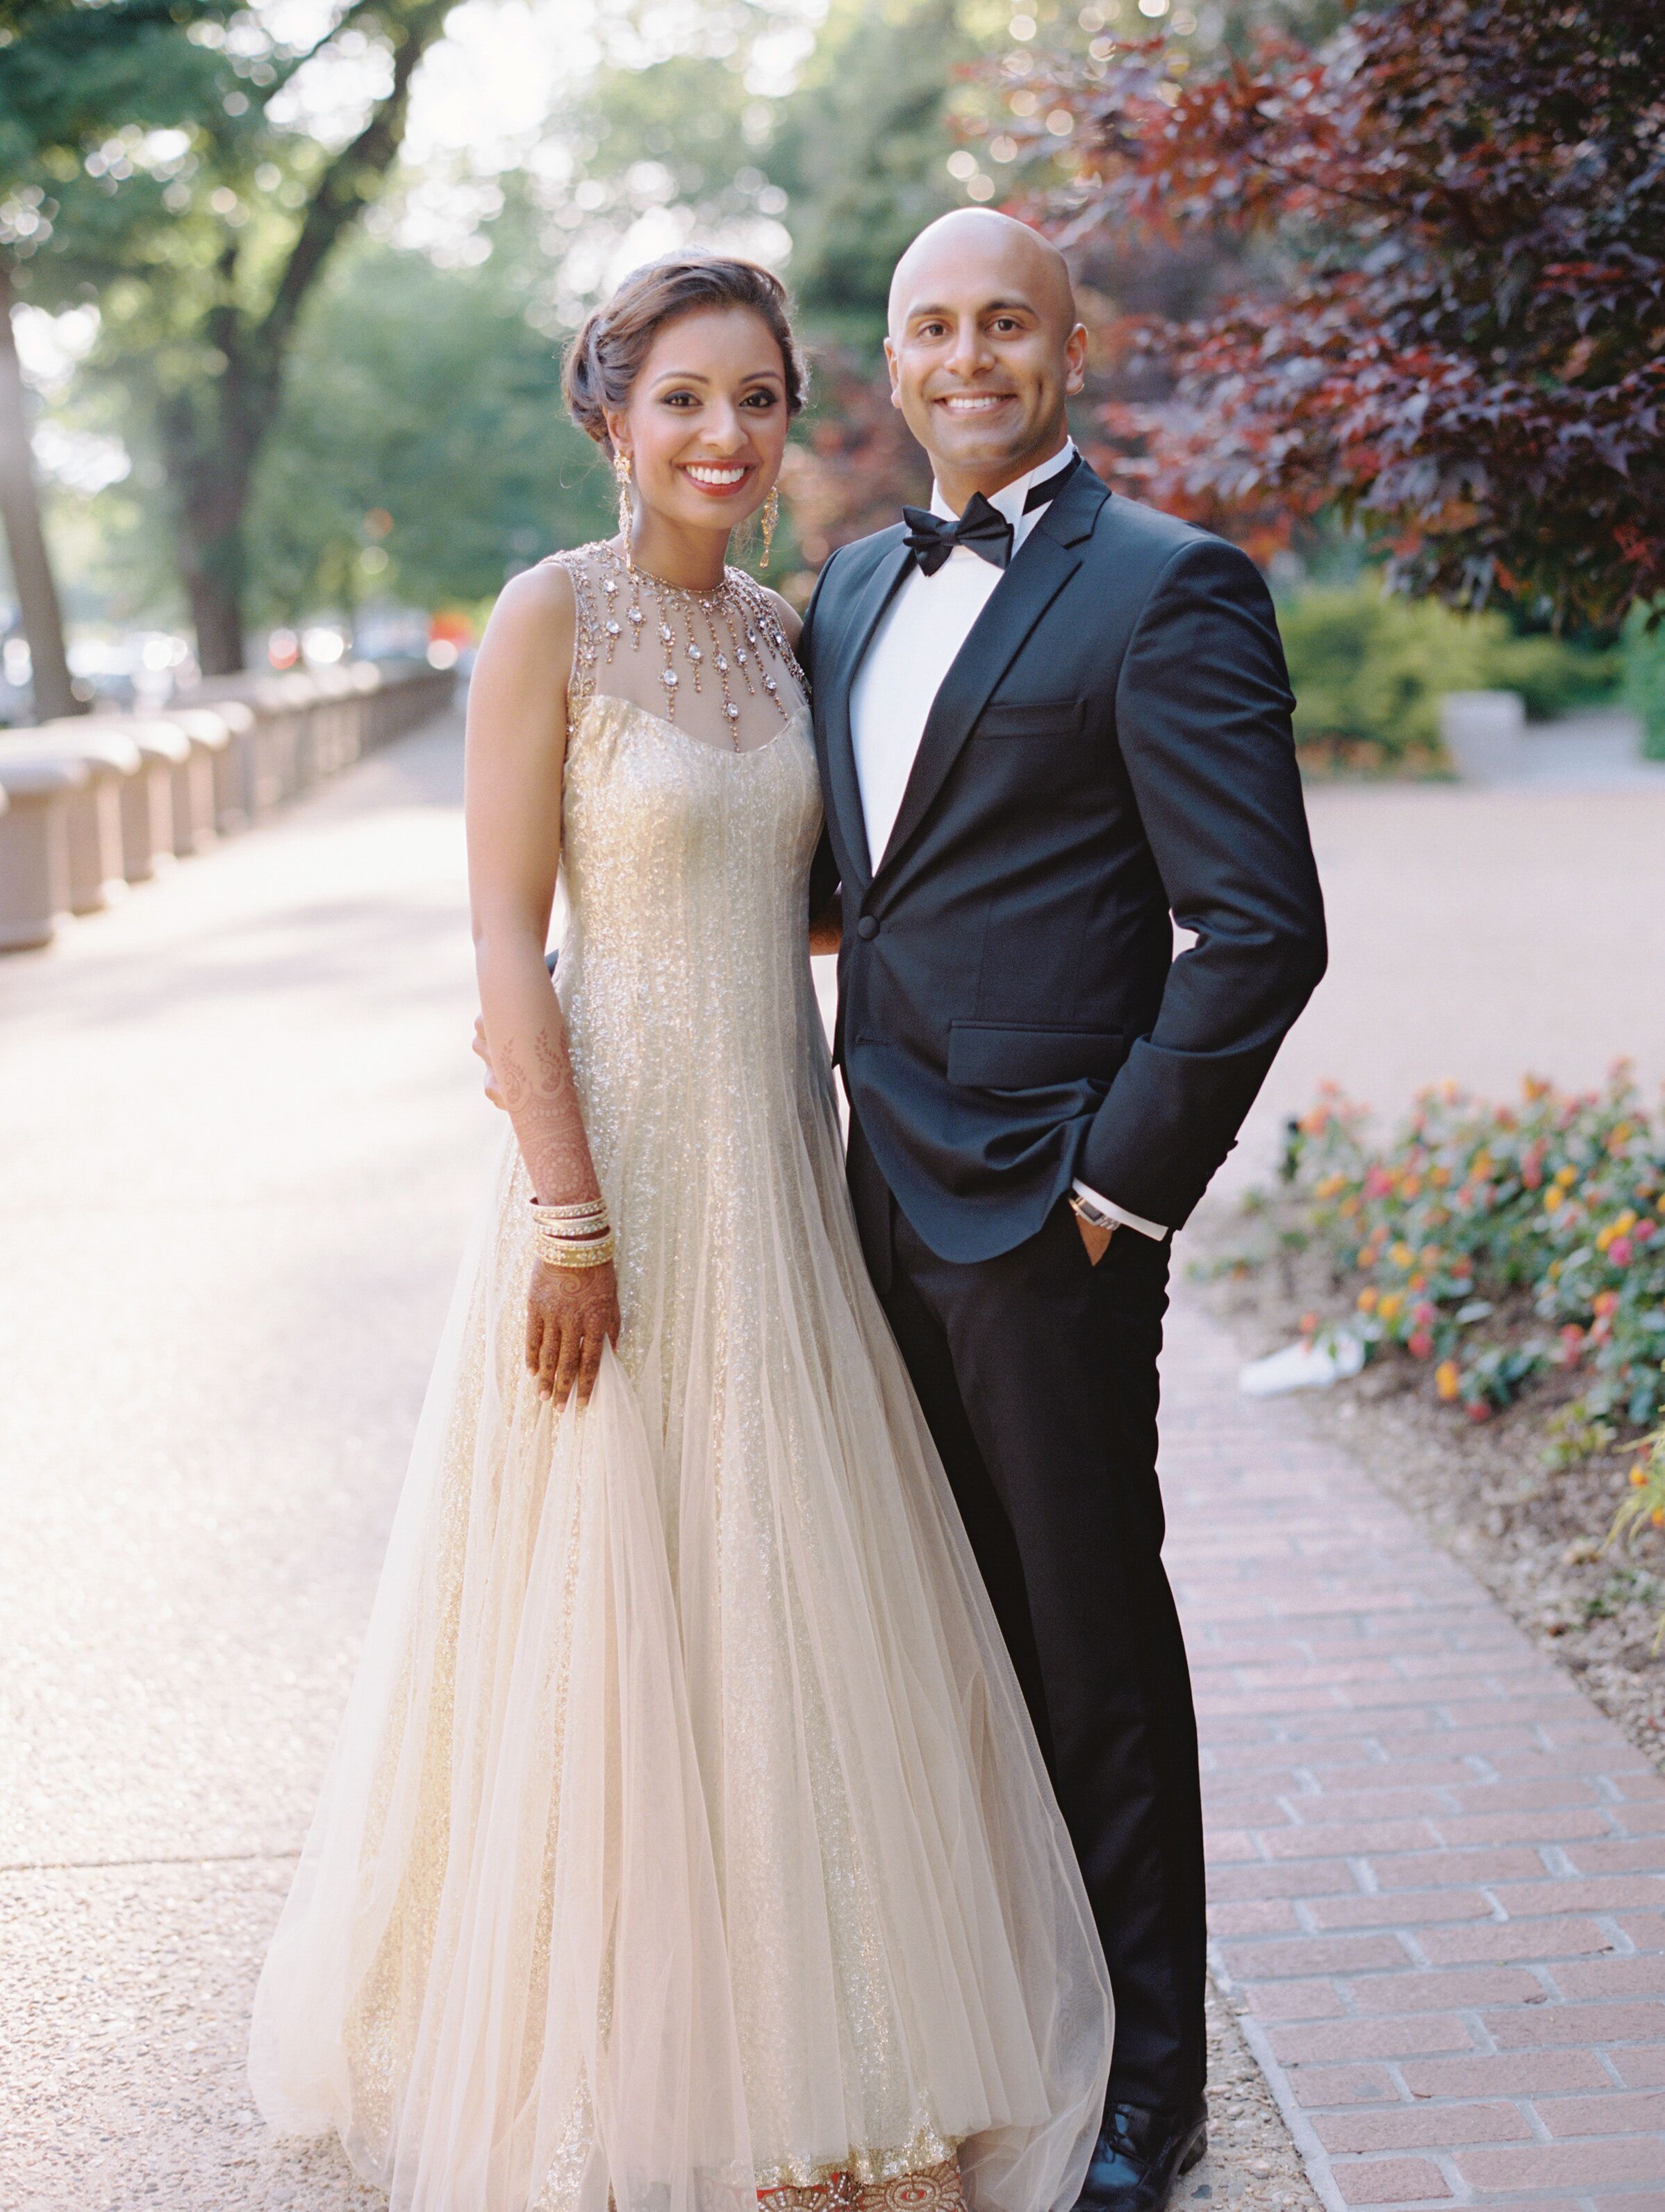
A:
(1499, 1246)
(1551, 1212)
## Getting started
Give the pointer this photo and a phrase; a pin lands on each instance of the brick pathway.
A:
(1438, 1872)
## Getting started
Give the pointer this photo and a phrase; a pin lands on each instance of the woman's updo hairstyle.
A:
(604, 360)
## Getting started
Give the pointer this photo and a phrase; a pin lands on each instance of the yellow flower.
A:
(1401, 1254)
(1390, 1305)
(1566, 1175)
(1552, 1198)
(1625, 1224)
(1367, 1298)
(1638, 1475)
(1446, 1381)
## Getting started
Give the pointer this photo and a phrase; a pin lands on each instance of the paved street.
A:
(241, 1133)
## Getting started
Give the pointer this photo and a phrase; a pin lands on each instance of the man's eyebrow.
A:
(987, 308)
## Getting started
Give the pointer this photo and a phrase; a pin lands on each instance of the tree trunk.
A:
(210, 462)
(26, 540)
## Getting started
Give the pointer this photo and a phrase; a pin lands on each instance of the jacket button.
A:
(866, 929)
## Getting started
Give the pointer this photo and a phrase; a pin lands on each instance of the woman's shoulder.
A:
(539, 602)
(783, 610)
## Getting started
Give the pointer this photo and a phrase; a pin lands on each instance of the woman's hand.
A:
(571, 1312)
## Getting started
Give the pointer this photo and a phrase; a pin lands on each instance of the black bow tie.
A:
(982, 529)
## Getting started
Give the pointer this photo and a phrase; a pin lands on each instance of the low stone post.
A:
(94, 815)
(34, 845)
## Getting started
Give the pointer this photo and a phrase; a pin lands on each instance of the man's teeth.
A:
(707, 476)
(977, 403)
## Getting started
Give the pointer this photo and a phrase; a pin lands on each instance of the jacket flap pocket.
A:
(991, 1056)
(1032, 718)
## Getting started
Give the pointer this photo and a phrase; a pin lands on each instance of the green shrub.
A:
(1552, 677)
(1369, 668)
(1643, 653)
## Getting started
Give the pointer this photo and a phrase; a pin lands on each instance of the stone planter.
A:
(1485, 733)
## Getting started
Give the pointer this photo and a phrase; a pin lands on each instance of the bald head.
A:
(984, 350)
(980, 244)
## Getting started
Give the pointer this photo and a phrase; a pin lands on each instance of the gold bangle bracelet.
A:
(595, 1254)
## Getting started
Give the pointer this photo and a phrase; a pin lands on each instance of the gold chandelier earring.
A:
(771, 516)
(626, 512)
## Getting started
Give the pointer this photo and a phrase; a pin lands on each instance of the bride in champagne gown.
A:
(686, 1841)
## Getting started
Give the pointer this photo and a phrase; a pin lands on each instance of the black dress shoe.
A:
(1140, 2155)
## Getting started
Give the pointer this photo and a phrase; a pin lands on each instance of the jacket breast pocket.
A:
(997, 1056)
(1032, 718)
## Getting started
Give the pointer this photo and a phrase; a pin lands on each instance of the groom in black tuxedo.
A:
(1048, 719)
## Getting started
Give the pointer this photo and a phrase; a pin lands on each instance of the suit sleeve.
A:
(1203, 708)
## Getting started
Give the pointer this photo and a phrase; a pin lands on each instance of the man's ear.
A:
(1075, 354)
(895, 374)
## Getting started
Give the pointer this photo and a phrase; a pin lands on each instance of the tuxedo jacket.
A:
(1111, 747)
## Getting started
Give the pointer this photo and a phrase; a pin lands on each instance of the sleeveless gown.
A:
(687, 1839)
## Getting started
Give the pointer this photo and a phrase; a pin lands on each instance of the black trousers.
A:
(1038, 1374)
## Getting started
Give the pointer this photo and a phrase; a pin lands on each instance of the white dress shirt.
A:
(913, 647)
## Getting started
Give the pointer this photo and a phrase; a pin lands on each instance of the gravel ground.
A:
(1252, 2159)
(1530, 1532)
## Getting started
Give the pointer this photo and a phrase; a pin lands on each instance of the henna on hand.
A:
(571, 1313)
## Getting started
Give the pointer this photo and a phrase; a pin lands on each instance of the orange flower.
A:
(1446, 1381)
(1638, 1476)
(1367, 1298)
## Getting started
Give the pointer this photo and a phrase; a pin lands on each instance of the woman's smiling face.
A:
(705, 424)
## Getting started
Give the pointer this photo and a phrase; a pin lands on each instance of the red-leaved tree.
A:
(1451, 322)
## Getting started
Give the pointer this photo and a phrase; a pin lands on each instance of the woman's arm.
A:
(517, 739)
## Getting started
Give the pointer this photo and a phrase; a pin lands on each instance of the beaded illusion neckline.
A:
(728, 631)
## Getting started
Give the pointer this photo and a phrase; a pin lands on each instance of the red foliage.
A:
(855, 466)
(1455, 335)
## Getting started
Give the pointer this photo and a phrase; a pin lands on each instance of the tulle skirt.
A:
(686, 1838)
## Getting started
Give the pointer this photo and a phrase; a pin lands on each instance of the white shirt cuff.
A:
(1119, 1214)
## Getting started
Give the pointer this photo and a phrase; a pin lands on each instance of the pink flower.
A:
(1622, 1251)
(1420, 1344)
(1478, 1410)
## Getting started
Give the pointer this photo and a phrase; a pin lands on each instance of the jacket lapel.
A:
(833, 701)
(1039, 571)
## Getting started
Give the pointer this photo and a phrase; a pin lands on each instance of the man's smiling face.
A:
(983, 348)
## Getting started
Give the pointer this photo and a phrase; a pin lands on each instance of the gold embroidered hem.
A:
(934, 2188)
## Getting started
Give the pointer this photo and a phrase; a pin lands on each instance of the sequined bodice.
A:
(685, 980)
